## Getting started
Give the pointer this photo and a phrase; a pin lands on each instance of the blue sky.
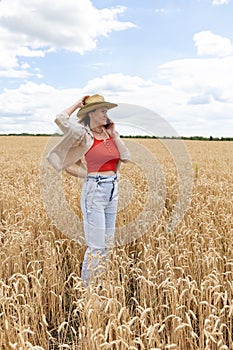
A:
(173, 57)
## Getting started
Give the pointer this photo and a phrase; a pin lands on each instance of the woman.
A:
(92, 148)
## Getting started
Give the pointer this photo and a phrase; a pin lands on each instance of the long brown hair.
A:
(86, 120)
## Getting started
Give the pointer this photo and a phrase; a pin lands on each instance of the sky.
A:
(171, 58)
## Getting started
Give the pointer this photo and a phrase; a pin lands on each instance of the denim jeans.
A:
(99, 207)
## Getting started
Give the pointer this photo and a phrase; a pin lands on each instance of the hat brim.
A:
(91, 106)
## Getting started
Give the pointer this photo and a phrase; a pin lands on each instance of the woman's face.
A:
(99, 116)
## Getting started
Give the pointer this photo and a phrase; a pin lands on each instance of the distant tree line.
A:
(28, 134)
(199, 138)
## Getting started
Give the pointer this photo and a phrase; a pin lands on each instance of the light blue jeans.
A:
(99, 207)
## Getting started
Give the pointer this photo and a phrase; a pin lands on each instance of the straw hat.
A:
(93, 102)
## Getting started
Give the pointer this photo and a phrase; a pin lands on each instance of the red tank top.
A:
(102, 156)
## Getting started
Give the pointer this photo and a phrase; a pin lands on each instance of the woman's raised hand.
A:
(111, 130)
(81, 101)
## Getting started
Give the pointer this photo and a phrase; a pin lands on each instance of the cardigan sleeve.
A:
(123, 150)
(60, 154)
(64, 122)
(72, 128)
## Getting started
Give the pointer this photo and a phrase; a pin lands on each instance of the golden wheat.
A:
(165, 290)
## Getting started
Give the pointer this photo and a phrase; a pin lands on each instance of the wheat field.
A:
(163, 290)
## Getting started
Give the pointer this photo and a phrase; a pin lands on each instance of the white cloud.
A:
(27, 52)
(32, 107)
(210, 44)
(15, 73)
(202, 98)
(117, 83)
(220, 2)
(193, 95)
(212, 76)
(32, 28)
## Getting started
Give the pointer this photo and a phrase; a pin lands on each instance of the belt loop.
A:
(98, 179)
(112, 191)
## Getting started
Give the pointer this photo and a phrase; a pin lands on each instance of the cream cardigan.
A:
(69, 153)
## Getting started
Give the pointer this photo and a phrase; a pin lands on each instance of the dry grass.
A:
(167, 290)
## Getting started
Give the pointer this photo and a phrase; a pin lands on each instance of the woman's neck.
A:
(96, 128)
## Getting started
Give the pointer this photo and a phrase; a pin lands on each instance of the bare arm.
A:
(76, 105)
(62, 119)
